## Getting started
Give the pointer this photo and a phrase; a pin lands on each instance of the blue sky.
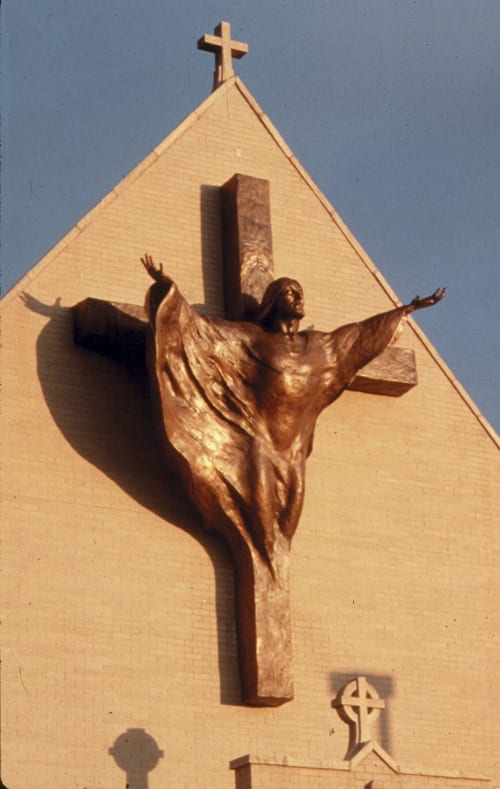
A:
(392, 106)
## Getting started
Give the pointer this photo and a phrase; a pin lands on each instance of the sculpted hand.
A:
(420, 304)
(154, 271)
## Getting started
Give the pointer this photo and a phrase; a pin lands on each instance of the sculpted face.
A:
(290, 301)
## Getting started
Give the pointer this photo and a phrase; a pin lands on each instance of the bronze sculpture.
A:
(240, 401)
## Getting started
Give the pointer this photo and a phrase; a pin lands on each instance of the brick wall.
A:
(118, 610)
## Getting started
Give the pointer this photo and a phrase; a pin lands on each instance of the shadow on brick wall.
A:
(137, 754)
(211, 251)
(105, 413)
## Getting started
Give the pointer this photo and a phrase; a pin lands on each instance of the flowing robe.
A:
(239, 407)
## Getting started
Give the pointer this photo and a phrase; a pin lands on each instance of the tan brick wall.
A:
(119, 611)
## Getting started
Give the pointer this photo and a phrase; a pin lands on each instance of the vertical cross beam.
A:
(262, 598)
(224, 49)
(263, 626)
(247, 244)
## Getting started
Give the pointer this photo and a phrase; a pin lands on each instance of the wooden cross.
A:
(224, 49)
(120, 330)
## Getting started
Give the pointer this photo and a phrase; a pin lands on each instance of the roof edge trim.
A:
(167, 142)
(367, 261)
(119, 187)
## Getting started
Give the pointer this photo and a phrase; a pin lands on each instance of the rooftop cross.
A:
(360, 703)
(224, 49)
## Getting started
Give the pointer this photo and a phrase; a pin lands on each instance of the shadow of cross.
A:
(262, 595)
(137, 754)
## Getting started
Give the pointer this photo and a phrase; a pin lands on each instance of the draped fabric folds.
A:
(239, 408)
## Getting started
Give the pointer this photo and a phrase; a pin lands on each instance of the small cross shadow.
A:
(137, 754)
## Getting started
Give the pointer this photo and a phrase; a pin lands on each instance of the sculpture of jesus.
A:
(240, 403)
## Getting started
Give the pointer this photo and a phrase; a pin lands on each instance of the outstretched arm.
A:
(155, 271)
(420, 304)
(356, 344)
(157, 291)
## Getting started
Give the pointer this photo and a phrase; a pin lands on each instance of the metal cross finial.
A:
(360, 704)
(224, 50)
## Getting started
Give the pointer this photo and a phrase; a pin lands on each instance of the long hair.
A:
(266, 312)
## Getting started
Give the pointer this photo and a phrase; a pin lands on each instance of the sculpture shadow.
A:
(105, 413)
(211, 251)
(137, 754)
(385, 687)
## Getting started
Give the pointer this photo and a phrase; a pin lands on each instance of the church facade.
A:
(120, 654)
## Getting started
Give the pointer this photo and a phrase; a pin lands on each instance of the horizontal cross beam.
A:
(119, 331)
